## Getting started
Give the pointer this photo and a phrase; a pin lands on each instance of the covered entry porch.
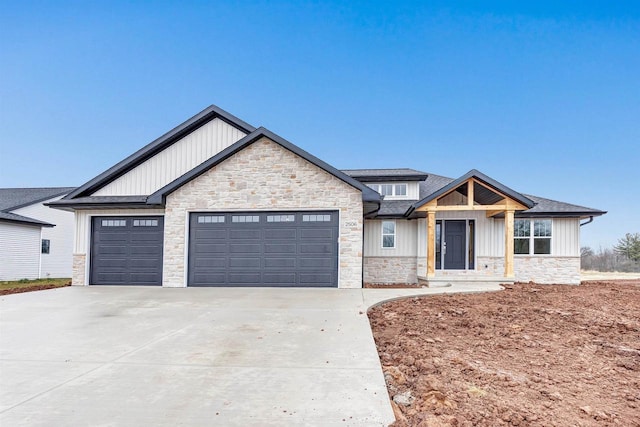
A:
(469, 231)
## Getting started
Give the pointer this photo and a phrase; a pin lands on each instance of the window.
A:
(145, 222)
(316, 218)
(532, 236)
(114, 222)
(388, 234)
(209, 219)
(390, 189)
(245, 218)
(281, 218)
(46, 246)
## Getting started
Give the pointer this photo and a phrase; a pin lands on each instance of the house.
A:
(218, 202)
(35, 241)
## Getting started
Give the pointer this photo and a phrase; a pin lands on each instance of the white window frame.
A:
(377, 187)
(532, 237)
(383, 234)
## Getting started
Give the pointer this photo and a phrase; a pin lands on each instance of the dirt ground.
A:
(532, 355)
(30, 288)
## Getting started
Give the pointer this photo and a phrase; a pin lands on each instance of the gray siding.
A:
(174, 161)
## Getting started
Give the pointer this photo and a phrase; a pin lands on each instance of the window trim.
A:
(43, 246)
(383, 234)
(531, 238)
(377, 187)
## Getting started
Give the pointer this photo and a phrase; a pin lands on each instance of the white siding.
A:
(19, 251)
(83, 223)
(406, 238)
(413, 191)
(57, 263)
(565, 237)
(489, 232)
(174, 161)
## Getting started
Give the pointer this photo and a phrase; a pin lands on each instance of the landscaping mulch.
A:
(30, 288)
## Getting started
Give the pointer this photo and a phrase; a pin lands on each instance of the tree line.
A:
(623, 257)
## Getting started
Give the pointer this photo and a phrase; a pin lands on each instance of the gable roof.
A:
(24, 220)
(16, 198)
(368, 195)
(473, 173)
(159, 144)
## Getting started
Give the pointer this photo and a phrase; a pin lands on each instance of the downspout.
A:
(588, 222)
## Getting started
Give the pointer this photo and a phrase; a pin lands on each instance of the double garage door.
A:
(225, 249)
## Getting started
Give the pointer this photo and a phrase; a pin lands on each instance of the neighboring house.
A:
(217, 202)
(35, 240)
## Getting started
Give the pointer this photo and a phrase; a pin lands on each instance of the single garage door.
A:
(127, 250)
(264, 249)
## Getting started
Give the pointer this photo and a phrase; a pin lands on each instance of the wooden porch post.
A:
(508, 243)
(431, 243)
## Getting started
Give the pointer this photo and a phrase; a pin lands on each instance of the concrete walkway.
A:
(98, 356)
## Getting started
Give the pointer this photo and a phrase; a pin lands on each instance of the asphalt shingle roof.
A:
(14, 198)
(434, 183)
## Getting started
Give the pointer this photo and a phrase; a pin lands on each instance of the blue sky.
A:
(542, 96)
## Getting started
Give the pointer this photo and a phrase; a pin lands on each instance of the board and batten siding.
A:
(411, 236)
(19, 251)
(57, 263)
(174, 161)
(406, 238)
(83, 223)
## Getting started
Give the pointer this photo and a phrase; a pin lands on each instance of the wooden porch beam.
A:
(508, 244)
(431, 243)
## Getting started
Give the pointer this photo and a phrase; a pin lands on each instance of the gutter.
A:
(589, 221)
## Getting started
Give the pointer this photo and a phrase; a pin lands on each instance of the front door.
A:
(455, 243)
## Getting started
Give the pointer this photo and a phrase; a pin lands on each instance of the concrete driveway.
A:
(129, 356)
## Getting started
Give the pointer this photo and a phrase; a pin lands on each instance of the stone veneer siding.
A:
(79, 268)
(264, 176)
(390, 270)
(564, 270)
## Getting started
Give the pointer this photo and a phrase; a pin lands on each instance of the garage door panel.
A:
(235, 262)
(317, 262)
(264, 249)
(244, 233)
(210, 262)
(212, 278)
(244, 248)
(280, 248)
(210, 233)
(316, 233)
(316, 248)
(126, 250)
(280, 233)
(280, 262)
(286, 279)
(244, 278)
(114, 250)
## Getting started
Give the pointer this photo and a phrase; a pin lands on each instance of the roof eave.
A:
(368, 195)
(158, 145)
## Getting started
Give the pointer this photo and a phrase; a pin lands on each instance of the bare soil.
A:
(29, 287)
(532, 355)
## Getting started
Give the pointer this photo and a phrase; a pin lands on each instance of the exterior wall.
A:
(82, 237)
(19, 251)
(562, 270)
(406, 239)
(58, 262)
(390, 270)
(174, 161)
(558, 267)
(264, 176)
